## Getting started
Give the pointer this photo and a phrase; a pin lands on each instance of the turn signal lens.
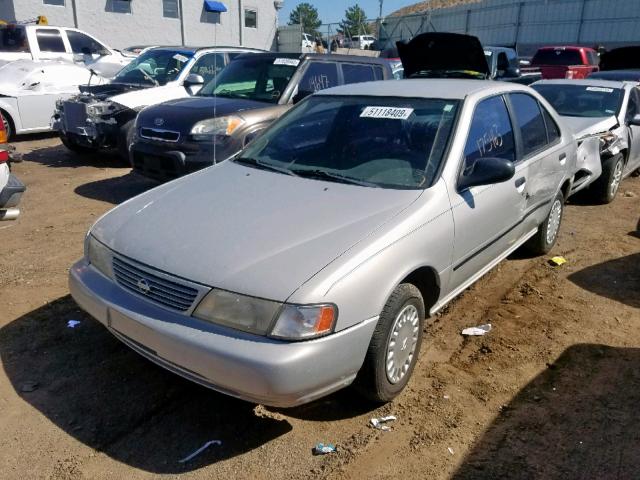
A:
(304, 322)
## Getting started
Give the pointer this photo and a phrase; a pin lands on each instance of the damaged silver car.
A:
(608, 112)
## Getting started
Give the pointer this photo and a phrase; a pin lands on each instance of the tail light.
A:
(569, 75)
(4, 154)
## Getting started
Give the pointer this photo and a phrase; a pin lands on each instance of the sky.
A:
(332, 11)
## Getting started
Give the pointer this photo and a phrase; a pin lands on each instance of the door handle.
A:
(520, 184)
(563, 158)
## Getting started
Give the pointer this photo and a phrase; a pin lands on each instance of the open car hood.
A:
(623, 58)
(442, 52)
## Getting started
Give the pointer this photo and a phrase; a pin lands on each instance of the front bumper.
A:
(73, 123)
(250, 367)
(10, 196)
(164, 161)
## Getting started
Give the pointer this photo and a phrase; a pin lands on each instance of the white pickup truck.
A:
(45, 42)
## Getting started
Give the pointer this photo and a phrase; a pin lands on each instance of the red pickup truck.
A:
(565, 62)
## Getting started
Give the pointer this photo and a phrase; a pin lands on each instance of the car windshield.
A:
(582, 100)
(557, 56)
(154, 67)
(383, 142)
(13, 39)
(255, 78)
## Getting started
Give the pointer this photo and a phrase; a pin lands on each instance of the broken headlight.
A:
(99, 109)
(606, 140)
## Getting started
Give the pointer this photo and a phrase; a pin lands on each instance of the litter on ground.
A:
(477, 331)
(73, 323)
(323, 449)
(558, 261)
(200, 450)
(379, 423)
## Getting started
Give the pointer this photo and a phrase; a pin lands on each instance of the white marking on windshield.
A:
(181, 58)
(600, 89)
(292, 62)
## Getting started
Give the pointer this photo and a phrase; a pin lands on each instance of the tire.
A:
(75, 147)
(544, 240)
(125, 136)
(404, 313)
(8, 125)
(605, 188)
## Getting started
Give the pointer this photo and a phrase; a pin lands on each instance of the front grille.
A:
(162, 135)
(157, 167)
(165, 292)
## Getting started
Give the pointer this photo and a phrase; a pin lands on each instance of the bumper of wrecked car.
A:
(10, 197)
(250, 367)
(87, 133)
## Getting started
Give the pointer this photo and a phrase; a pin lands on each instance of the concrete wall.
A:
(146, 25)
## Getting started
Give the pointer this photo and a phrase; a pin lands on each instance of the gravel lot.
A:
(551, 392)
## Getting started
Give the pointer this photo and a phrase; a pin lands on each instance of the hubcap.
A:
(553, 224)
(617, 178)
(402, 343)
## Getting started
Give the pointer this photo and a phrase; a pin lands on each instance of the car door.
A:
(633, 108)
(51, 44)
(487, 218)
(541, 150)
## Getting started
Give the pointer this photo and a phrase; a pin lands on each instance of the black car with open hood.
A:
(438, 54)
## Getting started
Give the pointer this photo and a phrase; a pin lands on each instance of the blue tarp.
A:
(213, 6)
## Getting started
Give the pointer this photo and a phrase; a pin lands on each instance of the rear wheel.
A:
(125, 135)
(8, 126)
(393, 351)
(544, 240)
(605, 188)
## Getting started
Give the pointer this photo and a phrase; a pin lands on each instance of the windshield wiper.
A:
(325, 175)
(148, 77)
(265, 166)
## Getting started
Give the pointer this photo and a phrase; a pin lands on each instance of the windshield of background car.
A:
(153, 66)
(557, 57)
(582, 100)
(255, 78)
(13, 39)
(384, 142)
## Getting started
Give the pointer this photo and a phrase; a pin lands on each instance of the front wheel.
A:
(547, 235)
(72, 145)
(605, 188)
(393, 351)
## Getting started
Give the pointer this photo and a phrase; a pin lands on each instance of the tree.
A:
(355, 22)
(306, 15)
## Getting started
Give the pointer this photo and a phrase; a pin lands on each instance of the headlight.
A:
(223, 126)
(100, 108)
(255, 315)
(606, 139)
(99, 256)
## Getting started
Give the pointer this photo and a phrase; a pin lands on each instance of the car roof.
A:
(321, 56)
(191, 49)
(453, 89)
(566, 47)
(589, 82)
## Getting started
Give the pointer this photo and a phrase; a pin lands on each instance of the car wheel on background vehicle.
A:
(125, 135)
(7, 124)
(605, 188)
(393, 351)
(74, 146)
(547, 235)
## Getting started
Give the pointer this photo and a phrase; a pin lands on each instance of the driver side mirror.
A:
(487, 171)
(301, 95)
(193, 80)
(635, 120)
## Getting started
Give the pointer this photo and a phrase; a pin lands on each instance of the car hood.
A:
(138, 98)
(583, 127)
(182, 113)
(247, 230)
(442, 52)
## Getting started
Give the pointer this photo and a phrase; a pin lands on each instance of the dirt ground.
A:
(551, 392)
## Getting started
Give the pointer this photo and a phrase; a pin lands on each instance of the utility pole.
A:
(380, 14)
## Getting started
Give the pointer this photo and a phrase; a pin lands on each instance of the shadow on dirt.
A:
(97, 390)
(117, 189)
(59, 156)
(576, 420)
(617, 279)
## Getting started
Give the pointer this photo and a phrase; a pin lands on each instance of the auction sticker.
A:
(600, 89)
(394, 113)
(181, 58)
(292, 62)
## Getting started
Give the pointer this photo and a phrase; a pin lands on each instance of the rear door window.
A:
(319, 76)
(13, 39)
(357, 73)
(490, 135)
(50, 40)
(530, 122)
